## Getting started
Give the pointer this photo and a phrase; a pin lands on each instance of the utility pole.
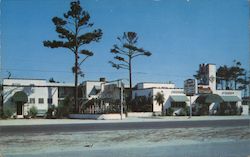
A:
(1, 69)
(249, 52)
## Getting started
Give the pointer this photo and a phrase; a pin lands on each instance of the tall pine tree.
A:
(70, 32)
(125, 52)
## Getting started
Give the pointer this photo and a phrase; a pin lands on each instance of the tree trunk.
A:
(162, 111)
(235, 84)
(76, 84)
(76, 68)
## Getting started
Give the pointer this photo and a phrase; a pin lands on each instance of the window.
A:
(178, 104)
(50, 100)
(32, 101)
(40, 101)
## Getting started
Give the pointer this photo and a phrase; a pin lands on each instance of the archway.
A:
(20, 98)
(205, 100)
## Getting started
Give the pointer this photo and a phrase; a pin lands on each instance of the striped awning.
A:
(230, 98)
(179, 98)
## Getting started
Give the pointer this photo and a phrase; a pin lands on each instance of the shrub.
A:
(142, 104)
(169, 111)
(33, 112)
(182, 113)
(8, 112)
(187, 110)
(64, 108)
(51, 113)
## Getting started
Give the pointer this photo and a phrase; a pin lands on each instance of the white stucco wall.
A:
(167, 93)
(140, 114)
(144, 85)
(230, 93)
(115, 116)
(245, 110)
(32, 92)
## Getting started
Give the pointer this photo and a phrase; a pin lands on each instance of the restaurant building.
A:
(207, 100)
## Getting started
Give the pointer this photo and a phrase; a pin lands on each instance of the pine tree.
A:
(69, 30)
(125, 52)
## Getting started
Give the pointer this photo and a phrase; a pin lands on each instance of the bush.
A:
(142, 104)
(51, 113)
(169, 111)
(187, 110)
(113, 107)
(182, 113)
(201, 109)
(8, 112)
(64, 108)
(33, 112)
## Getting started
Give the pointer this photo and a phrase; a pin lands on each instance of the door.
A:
(19, 108)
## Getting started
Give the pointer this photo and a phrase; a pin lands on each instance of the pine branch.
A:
(90, 37)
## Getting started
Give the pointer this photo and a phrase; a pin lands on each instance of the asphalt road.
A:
(53, 128)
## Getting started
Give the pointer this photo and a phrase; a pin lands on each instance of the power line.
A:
(64, 71)
(35, 70)
(39, 86)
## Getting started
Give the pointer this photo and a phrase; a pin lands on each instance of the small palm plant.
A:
(33, 112)
(159, 98)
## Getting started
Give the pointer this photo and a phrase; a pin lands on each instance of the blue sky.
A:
(181, 34)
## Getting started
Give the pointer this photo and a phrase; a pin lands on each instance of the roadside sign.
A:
(190, 87)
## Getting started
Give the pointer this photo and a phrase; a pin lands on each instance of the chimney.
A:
(102, 79)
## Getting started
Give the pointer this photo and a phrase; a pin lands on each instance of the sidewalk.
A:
(16, 122)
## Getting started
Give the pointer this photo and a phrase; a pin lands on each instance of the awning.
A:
(209, 98)
(230, 98)
(179, 98)
(20, 97)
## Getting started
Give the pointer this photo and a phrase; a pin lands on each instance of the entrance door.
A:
(19, 108)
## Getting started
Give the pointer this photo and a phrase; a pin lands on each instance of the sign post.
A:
(121, 99)
(190, 89)
(190, 109)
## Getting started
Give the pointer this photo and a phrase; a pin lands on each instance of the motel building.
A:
(101, 97)
(20, 95)
(174, 97)
(207, 100)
